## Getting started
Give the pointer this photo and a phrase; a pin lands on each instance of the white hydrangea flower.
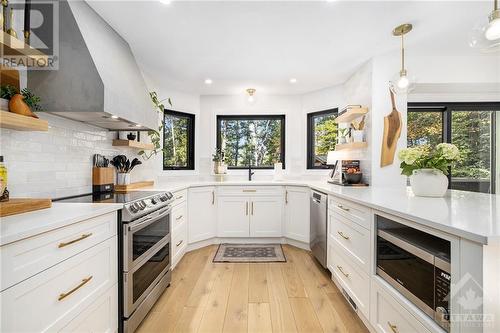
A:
(448, 151)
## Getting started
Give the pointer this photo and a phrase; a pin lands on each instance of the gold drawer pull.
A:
(179, 217)
(342, 271)
(179, 197)
(249, 190)
(82, 237)
(394, 328)
(246, 209)
(342, 207)
(84, 282)
(342, 235)
(179, 244)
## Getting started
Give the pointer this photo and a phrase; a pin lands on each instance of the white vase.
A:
(123, 178)
(428, 183)
(357, 135)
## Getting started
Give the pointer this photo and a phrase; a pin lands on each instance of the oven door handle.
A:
(149, 219)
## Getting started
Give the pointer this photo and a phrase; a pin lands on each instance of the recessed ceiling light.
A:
(208, 81)
(293, 80)
(114, 117)
(138, 125)
(165, 2)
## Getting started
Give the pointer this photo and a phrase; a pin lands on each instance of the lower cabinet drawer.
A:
(250, 190)
(388, 316)
(50, 300)
(352, 238)
(352, 279)
(179, 239)
(100, 316)
(23, 259)
(179, 213)
(179, 197)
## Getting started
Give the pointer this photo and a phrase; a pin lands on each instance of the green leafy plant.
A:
(31, 99)
(423, 157)
(7, 91)
(218, 156)
(343, 132)
(155, 136)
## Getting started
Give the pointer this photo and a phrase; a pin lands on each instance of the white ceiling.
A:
(262, 44)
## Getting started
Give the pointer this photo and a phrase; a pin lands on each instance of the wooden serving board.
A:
(392, 132)
(23, 205)
(133, 186)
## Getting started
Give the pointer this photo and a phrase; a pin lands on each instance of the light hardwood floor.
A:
(296, 296)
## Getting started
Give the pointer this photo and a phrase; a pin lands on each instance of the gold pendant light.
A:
(402, 84)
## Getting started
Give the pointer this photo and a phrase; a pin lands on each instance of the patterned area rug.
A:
(249, 253)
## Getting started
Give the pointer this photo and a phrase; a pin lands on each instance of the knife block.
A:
(103, 179)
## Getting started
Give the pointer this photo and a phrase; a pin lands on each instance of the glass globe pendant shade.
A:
(493, 29)
(478, 40)
(402, 84)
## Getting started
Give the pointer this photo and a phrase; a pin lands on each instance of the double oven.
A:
(146, 261)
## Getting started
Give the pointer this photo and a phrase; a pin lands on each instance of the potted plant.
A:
(343, 133)
(6, 93)
(427, 168)
(218, 159)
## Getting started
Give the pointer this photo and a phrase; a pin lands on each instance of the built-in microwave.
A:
(416, 264)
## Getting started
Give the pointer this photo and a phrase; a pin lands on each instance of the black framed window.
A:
(472, 127)
(178, 141)
(321, 137)
(255, 139)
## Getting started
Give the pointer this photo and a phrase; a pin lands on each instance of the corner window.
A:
(178, 141)
(472, 127)
(257, 140)
(321, 137)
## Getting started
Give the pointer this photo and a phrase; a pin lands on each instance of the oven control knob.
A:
(143, 204)
(132, 208)
(153, 201)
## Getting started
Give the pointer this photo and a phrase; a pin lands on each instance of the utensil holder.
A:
(103, 179)
(123, 178)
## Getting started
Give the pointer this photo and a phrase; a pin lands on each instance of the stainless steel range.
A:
(146, 255)
(144, 250)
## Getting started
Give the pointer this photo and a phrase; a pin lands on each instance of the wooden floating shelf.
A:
(18, 206)
(18, 47)
(133, 186)
(351, 145)
(133, 144)
(351, 114)
(22, 123)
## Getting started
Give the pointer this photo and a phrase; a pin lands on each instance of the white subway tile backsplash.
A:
(58, 163)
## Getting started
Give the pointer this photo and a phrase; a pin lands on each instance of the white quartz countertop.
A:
(469, 215)
(17, 227)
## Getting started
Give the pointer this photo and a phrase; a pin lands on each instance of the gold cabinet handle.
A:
(342, 271)
(179, 244)
(343, 208)
(213, 198)
(179, 197)
(82, 237)
(246, 211)
(179, 217)
(84, 282)
(394, 328)
(286, 197)
(249, 190)
(252, 208)
(342, 235)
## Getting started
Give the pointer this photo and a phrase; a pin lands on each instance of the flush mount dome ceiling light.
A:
(402, 84)
(251, 96)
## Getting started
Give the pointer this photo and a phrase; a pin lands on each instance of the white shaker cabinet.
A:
(297, 225)
(233, 216)
(266, 214)
(202, 213)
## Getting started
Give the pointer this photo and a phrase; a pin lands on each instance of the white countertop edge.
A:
(17, 227)
(458, 232)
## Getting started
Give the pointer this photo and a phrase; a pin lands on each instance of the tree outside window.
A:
(321, 137)
(255, 140)
(178, 141)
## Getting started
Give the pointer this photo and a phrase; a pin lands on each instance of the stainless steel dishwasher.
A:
(319, 209)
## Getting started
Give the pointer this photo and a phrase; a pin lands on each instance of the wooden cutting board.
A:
(133, 186)
(23, 205)
(392, 132)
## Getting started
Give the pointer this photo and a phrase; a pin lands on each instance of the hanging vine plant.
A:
(155, 136)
